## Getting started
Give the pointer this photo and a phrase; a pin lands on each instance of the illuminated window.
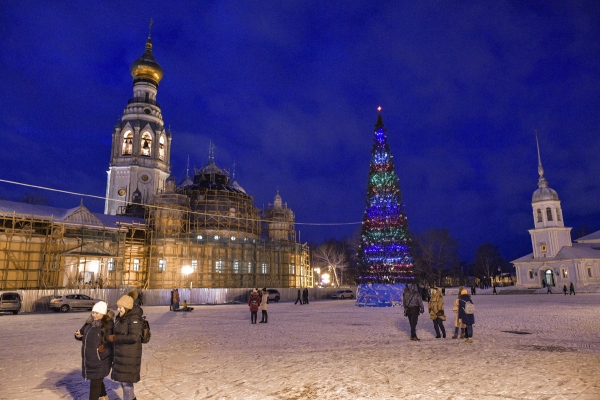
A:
(250, 267)
(549, 213)
(292, 269)
(127, 143)
(236, 266)
(136, 264)
(219, 266)
(263, 268)
(161, 148)
(146, 144)
(111, 264)
(162, 265)
(195, 265)
(565, 273)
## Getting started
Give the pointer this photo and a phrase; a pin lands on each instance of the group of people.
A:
(571, 289)
(110, 342)
(259, 299)
(174, 304)
(302, 297)
(463, 321)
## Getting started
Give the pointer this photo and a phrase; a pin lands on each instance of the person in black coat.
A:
(96, 350)
(413, 306)
(127, 341)
(467, 319)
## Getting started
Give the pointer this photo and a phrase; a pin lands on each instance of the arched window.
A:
(127, 143)
(146, 144)
(549, 213)
(539, 215)
(558, 214)
(161, 148)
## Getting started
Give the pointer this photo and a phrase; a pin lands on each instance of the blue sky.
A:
(289, 93)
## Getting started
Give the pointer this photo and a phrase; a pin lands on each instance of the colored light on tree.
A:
(384, 254)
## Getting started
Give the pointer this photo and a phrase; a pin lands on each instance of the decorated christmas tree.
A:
(384, 254)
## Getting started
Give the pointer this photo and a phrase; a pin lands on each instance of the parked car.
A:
(10, 302)
(67, 302)
(343, 294)
(274, 295)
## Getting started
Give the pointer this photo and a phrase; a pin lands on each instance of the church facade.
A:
(154, 233)
(556, 260)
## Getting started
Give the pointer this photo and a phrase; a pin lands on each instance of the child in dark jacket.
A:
(96, 350)
(467, 319)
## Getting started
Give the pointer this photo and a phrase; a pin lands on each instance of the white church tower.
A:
(550, 234)
(141, 147)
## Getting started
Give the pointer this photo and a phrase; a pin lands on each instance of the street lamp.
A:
(186, 270)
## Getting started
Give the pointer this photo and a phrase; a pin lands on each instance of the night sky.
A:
(289, 92)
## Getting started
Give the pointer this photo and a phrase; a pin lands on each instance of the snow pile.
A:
(525, 347)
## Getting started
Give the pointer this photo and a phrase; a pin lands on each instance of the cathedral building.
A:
(556, 260)
(205, 232)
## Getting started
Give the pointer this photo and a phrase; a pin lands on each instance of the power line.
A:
(164, 208)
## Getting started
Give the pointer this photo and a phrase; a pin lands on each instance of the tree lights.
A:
(384, 252)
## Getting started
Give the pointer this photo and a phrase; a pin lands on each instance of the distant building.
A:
(206, 232)
(556, 260)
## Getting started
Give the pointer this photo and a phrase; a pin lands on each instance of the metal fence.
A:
(39, 300)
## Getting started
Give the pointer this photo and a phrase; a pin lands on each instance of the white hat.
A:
(100, 307)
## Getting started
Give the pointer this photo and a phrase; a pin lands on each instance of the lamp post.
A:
(187, 270)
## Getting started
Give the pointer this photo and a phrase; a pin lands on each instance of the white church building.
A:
(556, 260)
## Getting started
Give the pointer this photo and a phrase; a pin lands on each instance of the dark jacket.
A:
(96, 364)
(412, 301)
(128, 346)
(467, 319)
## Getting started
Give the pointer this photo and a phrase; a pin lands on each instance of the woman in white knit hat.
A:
(96, 349)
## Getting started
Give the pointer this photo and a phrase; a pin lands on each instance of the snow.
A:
(326, 350)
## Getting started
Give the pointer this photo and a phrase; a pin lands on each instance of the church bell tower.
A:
(141, 147)
(550, 234)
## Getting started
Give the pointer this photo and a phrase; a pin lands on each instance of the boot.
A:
(455, 336)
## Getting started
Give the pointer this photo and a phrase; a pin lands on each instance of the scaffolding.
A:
(45, 252)
(214, 238)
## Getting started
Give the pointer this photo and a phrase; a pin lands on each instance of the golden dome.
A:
(146, 68)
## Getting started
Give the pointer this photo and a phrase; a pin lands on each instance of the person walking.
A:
(494, 291)
(413, 306)
(254, 304)
(127, 341)
(96, 350)
(263, 306)
(457, 323)
(571, 289)
(299, 299)
(464, 317)
(549, 290)
(565, 289)
(436, 312)
(305, 296)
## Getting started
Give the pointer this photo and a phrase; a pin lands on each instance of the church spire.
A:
(542, 182)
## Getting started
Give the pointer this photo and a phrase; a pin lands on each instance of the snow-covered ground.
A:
(326, 350)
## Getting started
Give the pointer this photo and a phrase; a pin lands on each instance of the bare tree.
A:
(435, 253)
(331, 256)
(487, 261)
